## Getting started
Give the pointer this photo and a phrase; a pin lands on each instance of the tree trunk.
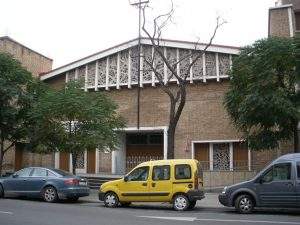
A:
(296, 138)
(74, 162)
(171, 141)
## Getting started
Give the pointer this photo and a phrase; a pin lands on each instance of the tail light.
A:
(72, 181)
(196, 182)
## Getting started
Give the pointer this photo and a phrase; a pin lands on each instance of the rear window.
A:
(62, 172)
(183, 171)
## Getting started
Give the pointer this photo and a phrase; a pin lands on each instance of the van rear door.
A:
(298, 183)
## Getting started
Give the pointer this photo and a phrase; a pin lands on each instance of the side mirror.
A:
(15, 175)
(125, 178)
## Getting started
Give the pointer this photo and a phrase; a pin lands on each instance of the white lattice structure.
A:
(117, 67)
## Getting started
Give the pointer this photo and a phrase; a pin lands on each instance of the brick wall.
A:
(31, 60)
(279, 22)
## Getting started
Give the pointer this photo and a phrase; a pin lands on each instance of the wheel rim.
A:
(180, 203)
(110, 200)
(245, 204)
(49, 194)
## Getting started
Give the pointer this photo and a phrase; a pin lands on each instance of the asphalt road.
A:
(35, 212)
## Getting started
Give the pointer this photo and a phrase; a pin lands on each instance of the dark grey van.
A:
(278, 185)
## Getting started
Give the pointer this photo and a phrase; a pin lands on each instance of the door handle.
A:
(144, 184)
(289, 184)
(24, 179)
(153, 184)
(44, 179)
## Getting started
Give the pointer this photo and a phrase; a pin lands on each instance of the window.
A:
(39, 172)
(50, 174)
(298, 170)
(297, 18)
(278, 172)
(268, 177)
(182, 172)
(161, 173)
(24, 172)
(139, 174)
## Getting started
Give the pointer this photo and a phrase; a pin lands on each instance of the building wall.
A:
(36, 64)
(31, 60)
(279, 24)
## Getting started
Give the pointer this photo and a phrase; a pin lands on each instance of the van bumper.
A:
(195, 194)
(224, 200)
(101, 195)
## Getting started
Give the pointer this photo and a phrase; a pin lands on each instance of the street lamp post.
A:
(139, 3)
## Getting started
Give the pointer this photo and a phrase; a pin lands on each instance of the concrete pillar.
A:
(119, 157)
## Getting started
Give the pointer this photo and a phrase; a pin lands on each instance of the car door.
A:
(16, 184)
(277, 186)
(298, 183)
(160, 183)
(36, 181)
(135, 186)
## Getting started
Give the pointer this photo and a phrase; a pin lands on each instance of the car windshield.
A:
(62, 172)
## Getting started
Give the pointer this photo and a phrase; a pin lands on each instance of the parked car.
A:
(176, 181)
(49, 184)
(278, 185)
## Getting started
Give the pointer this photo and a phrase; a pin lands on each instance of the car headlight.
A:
(224, 190)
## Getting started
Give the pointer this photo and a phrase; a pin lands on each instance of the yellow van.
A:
(177, 181)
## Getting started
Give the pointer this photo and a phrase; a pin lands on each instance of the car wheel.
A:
(192, 204)
(111, 200)
(50, 194)
(73, 199)
(125, 204)
(181, 203)
(1, 191)
(244, 204)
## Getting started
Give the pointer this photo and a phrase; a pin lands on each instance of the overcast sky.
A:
(66, 30)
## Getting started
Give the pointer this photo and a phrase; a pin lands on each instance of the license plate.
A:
(82, 183)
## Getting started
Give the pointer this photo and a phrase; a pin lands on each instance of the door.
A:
(17, 183)
(18, 156)
(37, 180)
(135, 186)
(91, 161)
(64, 161)
(298, 183)
(277, 186)
(160, 184)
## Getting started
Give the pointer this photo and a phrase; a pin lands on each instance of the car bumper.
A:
(101, 196)
(195, 194)
(74, 192)
(224, 199)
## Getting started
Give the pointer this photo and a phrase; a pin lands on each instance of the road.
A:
(35, 212)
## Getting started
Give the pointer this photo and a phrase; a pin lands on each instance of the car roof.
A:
(169, 161)
(289, 157)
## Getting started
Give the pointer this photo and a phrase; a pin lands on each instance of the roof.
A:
(12, 40)
(168, 161)
(132, 43)
(291, 156)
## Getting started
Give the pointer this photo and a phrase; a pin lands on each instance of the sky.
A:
(67, 30)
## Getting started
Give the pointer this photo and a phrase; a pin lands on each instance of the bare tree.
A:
(176, 90)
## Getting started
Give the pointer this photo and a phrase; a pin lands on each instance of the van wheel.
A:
(1, 191)
(181, 203)
(244, 204)
(192, 204)
(50, 194)
(111, 200)
(125, 204)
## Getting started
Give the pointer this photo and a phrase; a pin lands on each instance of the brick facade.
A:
(35, 63)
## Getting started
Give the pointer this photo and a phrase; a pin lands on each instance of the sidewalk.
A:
(210, 200)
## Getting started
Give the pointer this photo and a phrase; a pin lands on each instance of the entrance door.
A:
(91, 161)
(136, 185)
(160, 184)
(18, 156)
(277, 186)
(64, 161)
